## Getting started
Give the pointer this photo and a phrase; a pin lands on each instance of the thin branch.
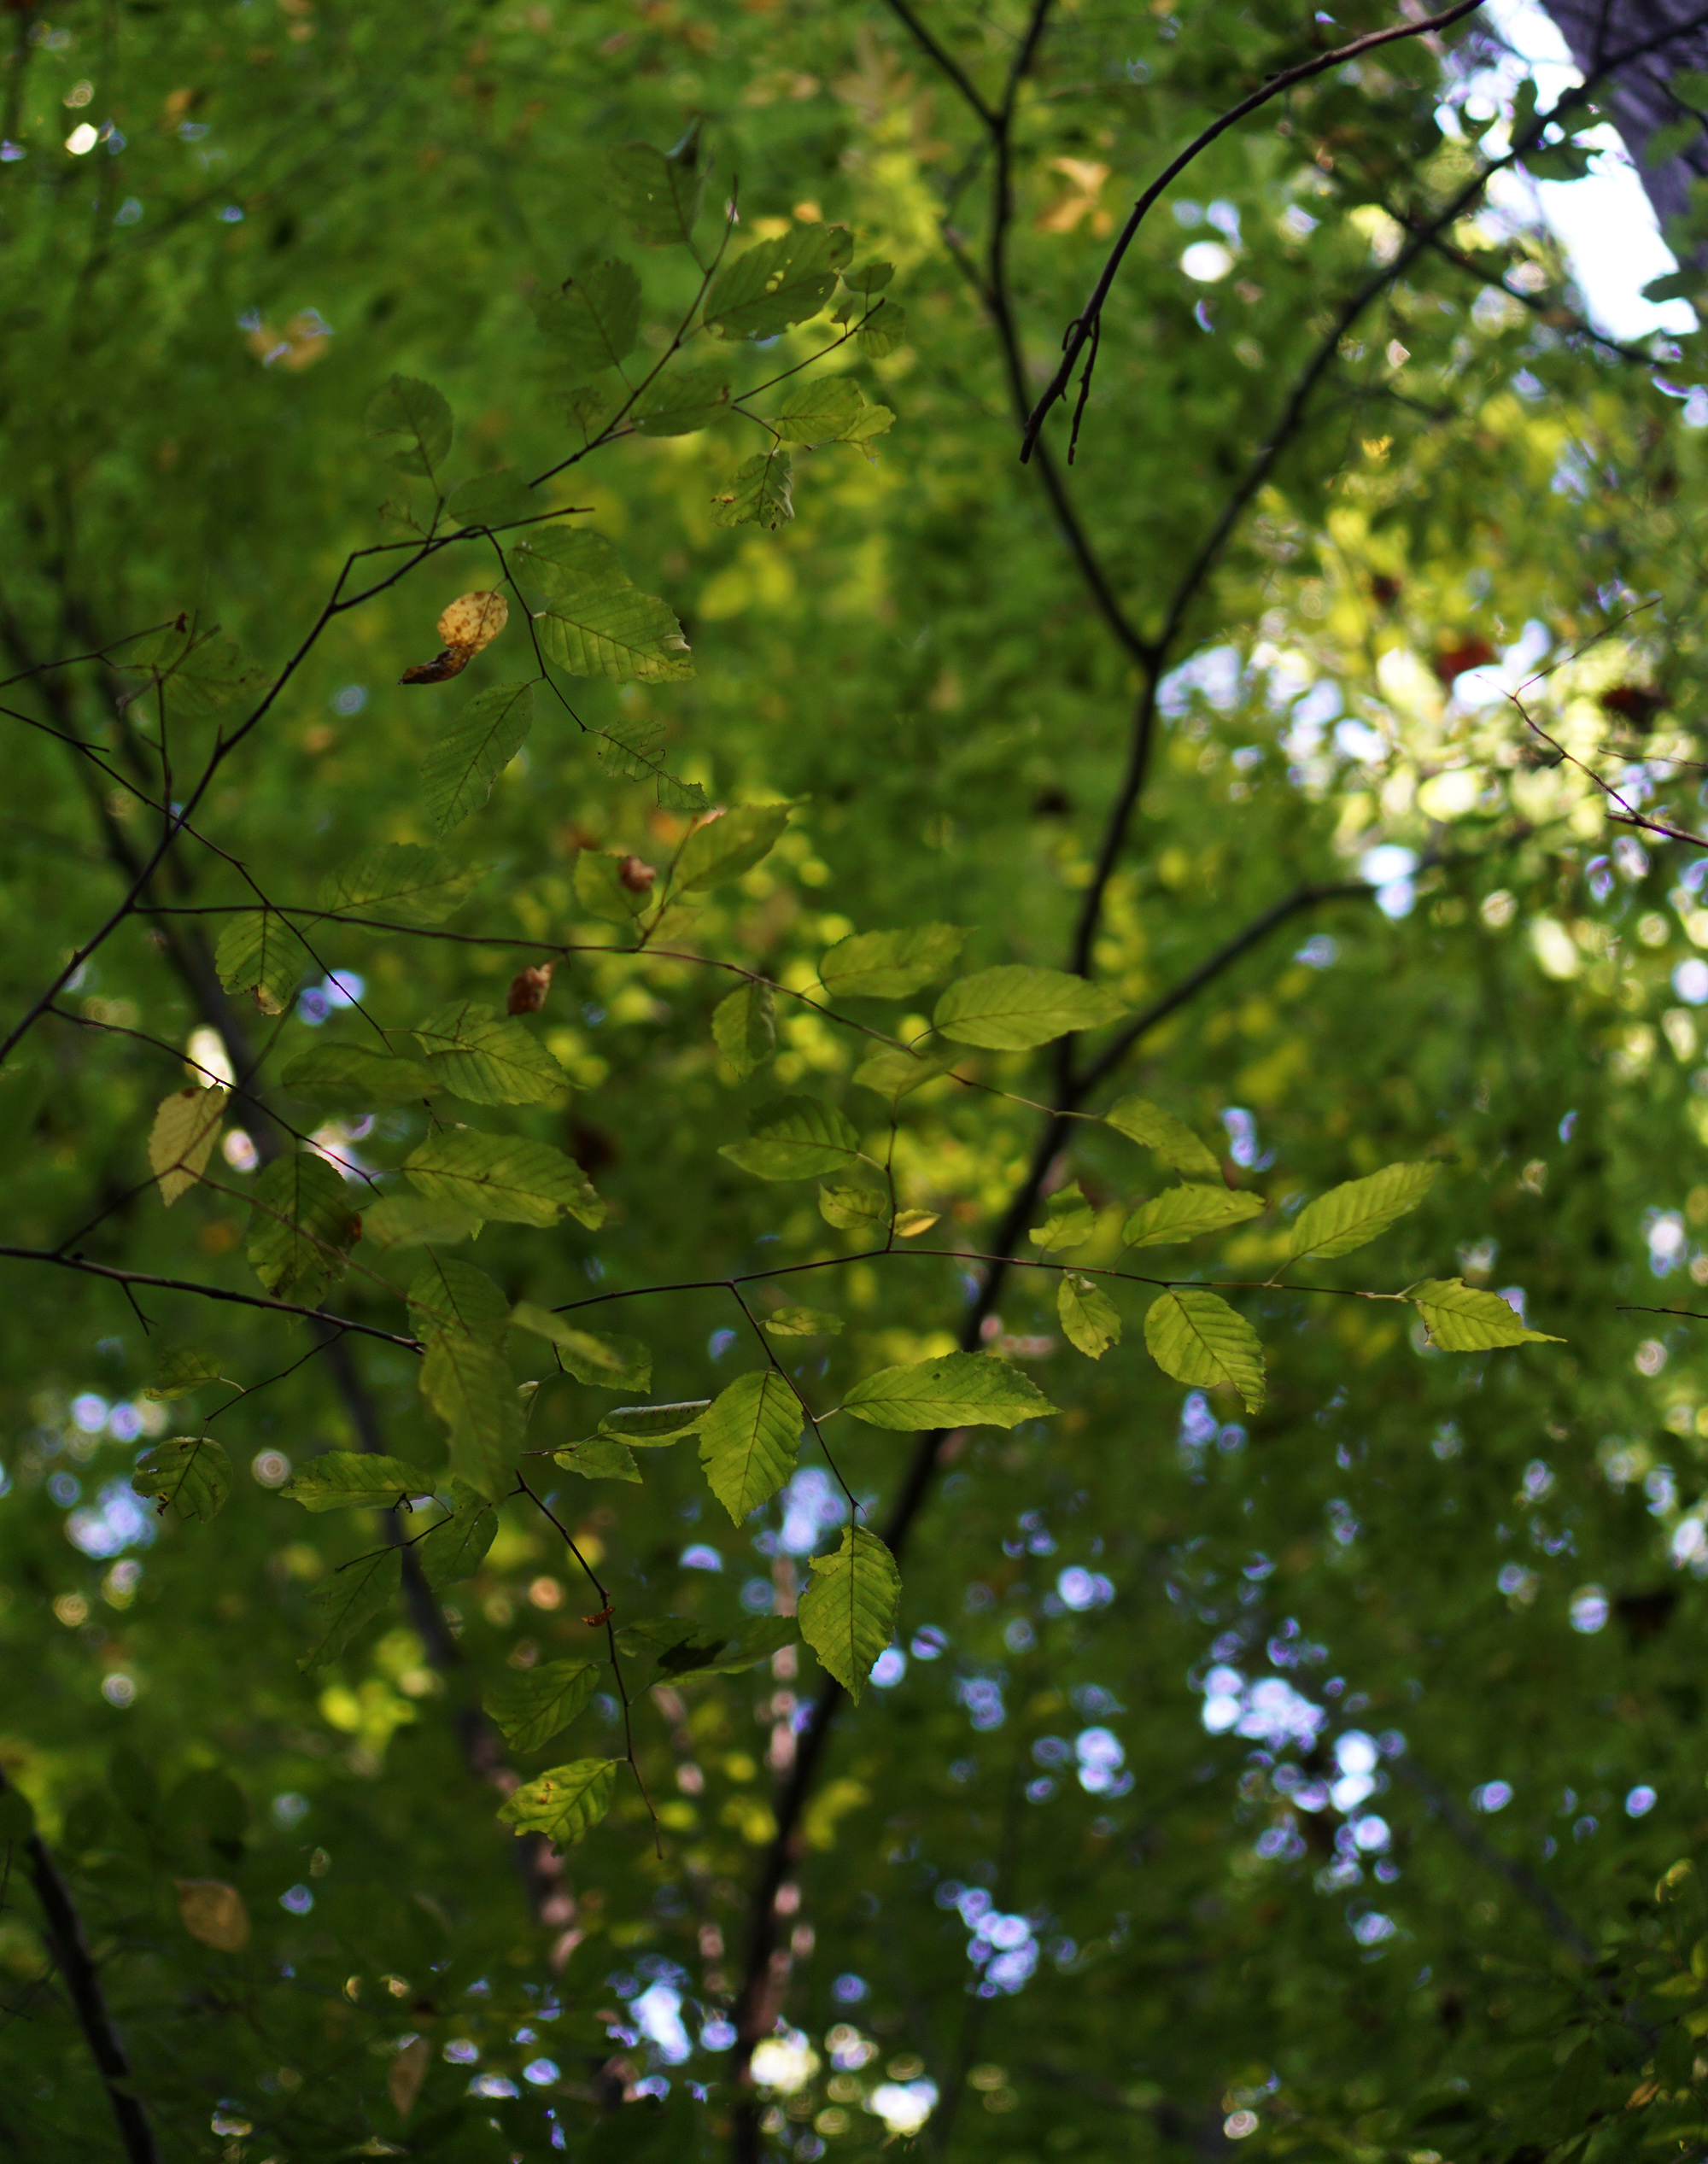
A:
(82, 1263)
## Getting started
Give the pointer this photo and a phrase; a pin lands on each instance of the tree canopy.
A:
(851, 1088)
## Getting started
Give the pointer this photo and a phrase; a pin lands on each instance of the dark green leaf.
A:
(795, 1138)
(743, 1026)
(503, 1178)
(488, 1058)
(348, 1600)
(779, 282)
(530, 1708)
(761, 493)
(190, 1477)
(458, 774)
(591, 1357)
(302, 1226)
(955, 1390)
(593, 320)
(356, 1480)
(889, 965)
(658, 192)
(400, 882)
(413, 411)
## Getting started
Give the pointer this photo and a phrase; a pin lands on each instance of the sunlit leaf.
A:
(1070, 1223)
(184, 1369)
(452, 1298)
(801, 1322)
(504, 1177)
(1460, 1318)
(565, 1804)
(1183, 1213)
(830, 411)
(1171, 1139)
(890, 965)
(778, 282)
(598, 1458)
(1198, 1338)
(181, 1140)
(259, 954)
(1012, 1008)
(302, 1225)
(722, 848)
(848, 1611)
(1088, 1316)
(853, 1206)
(748, 1439)
(760, 494)
(955, 1390)
(795, 1138)
(646, 1427)
(530, 1708)
(488, 1058)
(895, 1073)
(590, 1356)
(468, 1383)
(1348, 1216)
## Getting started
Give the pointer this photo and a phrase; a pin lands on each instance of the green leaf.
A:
(503, 1178)
(1088, 1316)
(458, 773)
(488, 1058)
(1012, 1008)
(200, 672)
(1070, 1223)
(1348, 1216)
(854, 1208)
(530, 1708)
(408, 408)
(686, 1652)
(607, 1363)
(607, 628)
(889, 965)
(575, 554)
(468, 1383)
(181, 1371)
(344, 1602)
(1171, 1139)
(456, 1546)
(356, 1480)
(631, 747)
(598, 1458)
(453, 1299)
(648, 1427)
(593, 320)
(801, 1322)
(683, 400)
(795, 1138)
(658, 192)
(780, 282)
(895, 1073)
(1460, 1318)
(830, 411)
(400, 881)
(186, 1125)
(1196, 1337)
(357, 1075)
(412, 1222)
(190, 1477)
(761, 493)
(848, 1612)
(1183, 1213)
(743, 1026)
(723, 847)
(566, 1804)
(259, 953)
(749, 1439)
(881, 330)
(302, 1225)
(865, 279)
(955, 1390)
(600, 889)
(500, 499)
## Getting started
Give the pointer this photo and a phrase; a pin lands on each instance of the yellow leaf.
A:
(407, 2072)
(909, 1224)
(213, 1914)
(181, 1139)
(474, 620)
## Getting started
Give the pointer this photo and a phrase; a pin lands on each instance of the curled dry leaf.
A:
(213, 1914)
(528, 989)
(472, 622)
(636, 876)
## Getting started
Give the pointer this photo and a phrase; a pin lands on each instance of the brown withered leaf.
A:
(636, 876)
(472, 622)
(528, 989)
(213, 1914)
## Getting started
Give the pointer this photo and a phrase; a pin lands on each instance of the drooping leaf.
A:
(795, 1138)
(848, 1612)
(504, 1177)
(468, 1383)
(881, 327)
(1171, 1139)
(955, 1390)
(456, 1546)
(801, 1322)
(1198, 1338)
(658, 192)
(598, 1458)
(760, 493)
(488, 1058)
(190, 1477)
(590, 1356)
(413, 1221)
(414, 412)
(259, 953)
(748, 1440)
(458, 773)
(347, 1601)
(199, 672)
(832, 410)
(778, 282)
(853, 1206)
(648, 1427)
(1088, 1316)
(1012, 1008)
(1070, 1223)
(467, 627)
(743, 1026)
(186, 1126)
(402, 882)
(302, 1226)
(449, 1298)
(894, 1073)
(530, 1708)
(1461, 1318)
(1182, 1212)
(358, 1075)
(683, 400)
(724, 847)
(889, 965)
(355, 1480)
(1348, 1216)
(501, 499)
(183, 1369)
(566, 1804)
(593, 320)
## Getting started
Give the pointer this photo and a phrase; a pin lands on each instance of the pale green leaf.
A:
(1088, 1316)
(402, 882)
(488, 1058)
(795, 1138)
(1198, 1338)
(1460, 1318)
(413, 1222)
(830, 411)
(190, 1477)
(854, 1208)
(723, 847)
(302, 1225)
(566, 1804)
(761, 493)
(894, 1072)
(955, 1390)
(356, 1480)
(503, 1178)
(1348, 1216)
(342, 1604)
(1012, 1008)
(358, 1075)
(848, 1612)
(1171, 1139)
(259, 954)
(606, 1362)
(181, 1140)
(889, 965)
(598, 1458)
(743, 1026)
(530, 1708)
(1182, 1212)
(183, 1369)
(458, 774)
(801, 1322)
(593, 320)
(408, 408)
(779, 282)
(658, 192)
(1070, 1223)
(748, 1441)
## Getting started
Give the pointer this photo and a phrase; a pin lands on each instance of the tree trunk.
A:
(1637, 100)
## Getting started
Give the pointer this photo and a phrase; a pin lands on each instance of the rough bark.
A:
(1637, 99)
